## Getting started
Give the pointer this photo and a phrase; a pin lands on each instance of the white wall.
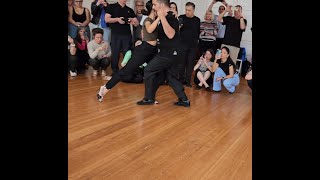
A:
(201, 7)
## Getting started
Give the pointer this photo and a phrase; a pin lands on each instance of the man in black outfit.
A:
(189, 32)
(168, 35)
(120, 17)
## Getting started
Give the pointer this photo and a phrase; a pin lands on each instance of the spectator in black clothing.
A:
(235, 26)
(136, 30)
(163, 61)
(120, 17)
(98, 11)
(174, 8)
(72, 58)
(189, 32)
(81, 42)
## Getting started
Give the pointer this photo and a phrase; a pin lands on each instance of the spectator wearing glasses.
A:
(120, 17)
(136, 30)
(98, 11)
(78, 16)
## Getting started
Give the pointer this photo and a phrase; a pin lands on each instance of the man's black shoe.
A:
(146, 102)
(183, 103)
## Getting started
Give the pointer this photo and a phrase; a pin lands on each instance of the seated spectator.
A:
(72, 58)
(99, 52)
(203, 75)
(81, 42)
(248, 77)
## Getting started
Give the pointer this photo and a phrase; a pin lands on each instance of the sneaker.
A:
(73, 74)
(100, 94)
(103, 73)
(95, 72)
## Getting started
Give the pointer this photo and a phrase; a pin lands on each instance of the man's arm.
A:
(242, 24)
(168, 30)
(108, 19)
(211, 5)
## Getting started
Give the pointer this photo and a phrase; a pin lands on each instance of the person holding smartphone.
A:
(224, 72)
(203, 75)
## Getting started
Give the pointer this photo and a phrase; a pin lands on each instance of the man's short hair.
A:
(165, 2)
(191, 4)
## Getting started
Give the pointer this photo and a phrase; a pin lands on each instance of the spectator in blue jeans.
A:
(225, 72)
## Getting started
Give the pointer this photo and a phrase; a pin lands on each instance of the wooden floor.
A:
(117, 139)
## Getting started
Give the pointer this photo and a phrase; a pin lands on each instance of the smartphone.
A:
(218, 52)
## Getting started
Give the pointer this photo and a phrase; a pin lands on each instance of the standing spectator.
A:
(174, 9)
(78, 16)
(120, 17)
(235, 26)
(136, 30)
(98, 11)
(208, 32)
(189, 32)
(221, 27)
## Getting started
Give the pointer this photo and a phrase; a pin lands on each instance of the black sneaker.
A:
(145, 101)
(183, 103)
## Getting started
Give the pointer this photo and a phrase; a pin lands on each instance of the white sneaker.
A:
(103, 73)
(100, 94)
(73, 74)
(95, 72)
